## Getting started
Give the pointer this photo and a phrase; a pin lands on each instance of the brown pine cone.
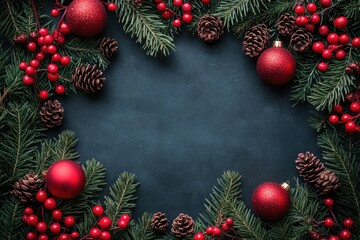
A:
(352, 69)
(255, 40)
(25, 188)
(137, 3)
(309, 167)
(159, 222)
(21, 39)
(183, 226)
(52, 113)
(315, 235)
(108, 47)
(210, 28)
(301, 40)
(286, 24)
(327, 182)
(88, 78)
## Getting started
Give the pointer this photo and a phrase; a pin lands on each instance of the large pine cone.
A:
(88, 78)
(255, 40)
(108, 47)
(183, 226)
(52, 113)
(210, 28)
(327, 182)
(159, 222)
(309, 167)
(301, 40)
(25, 188)
(286, 24)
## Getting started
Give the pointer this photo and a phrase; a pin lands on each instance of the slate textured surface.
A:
(179, 122)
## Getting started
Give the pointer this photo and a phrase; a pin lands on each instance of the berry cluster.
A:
(336, 43)
(167, 13)
(215, 231)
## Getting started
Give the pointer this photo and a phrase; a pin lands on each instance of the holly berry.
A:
(74, 235)
(55, 228)
(166, 14)
(95, 233)
(56, 57)
(205, 1)
(63, 236)
(209, 230)
(323, 66)
(30, 70)
(43, 237)
(56, 214)
(310, 27)
(345, 118)
(334, 119)
(333, 38)
(105, 235)
(98, 210)
(299, 9)
(43, 49)
(333, 238)
(356, 42)
(43, 32)
(340, 54)
(326, 3)
(122, 224)
(176, 23)
(28, 211)
(350, 127)
(41, 196)
(216, 231)
(64, 60)
(41, 227)
(31, 46)
(324, 30)
(311, 7)
(326, 54)
(177, 3)
(187, 17)
(161, 6)
(345, 234)
(60, 89)
(22, 66)
(30, 236)
(329, 222)
(53, 77)
(318, 47)
(105, 223)
(51, 49)
(225, 227)
(315, 18)
(355, 107)
(52, 68)
(55, 12)
(338, 108)
(341, 22)
(126, 217)
(48, 39)
(199, 236)
(32, 220)
(112, 7)
(158, 1)
(64, 28)
(35, 63)
(69, 221)
(329, 202)
(348, 223)
(303, 20)
(27, 80)
(50, 203)
(344, 39)
(186, 7)
(40, 56)
(41, 41)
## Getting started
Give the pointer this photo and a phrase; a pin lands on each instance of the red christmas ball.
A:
(86, 18)
(276, 65)
(271, 201)
(65, 179)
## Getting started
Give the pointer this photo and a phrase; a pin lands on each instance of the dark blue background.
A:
(179, 122)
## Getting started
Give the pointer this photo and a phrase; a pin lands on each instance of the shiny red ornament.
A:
(65, 179)
(86, 18)
(276, 65)
(271, 201)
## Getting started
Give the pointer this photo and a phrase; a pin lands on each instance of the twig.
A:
(4, 96)
(36, 15)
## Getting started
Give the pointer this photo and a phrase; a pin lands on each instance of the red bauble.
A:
(276, 65)
(86, 18)
(65, 179)
(271, 201)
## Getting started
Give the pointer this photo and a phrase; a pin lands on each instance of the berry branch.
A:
(36, 15)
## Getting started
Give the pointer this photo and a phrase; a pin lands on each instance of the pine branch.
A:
(318, 121)
(145, 25)
(10, 219)
(142, 230)
(87, 221)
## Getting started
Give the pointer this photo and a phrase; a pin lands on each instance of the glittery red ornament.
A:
(86, 17)
(271, 201)
(65, 179)
(276, 65)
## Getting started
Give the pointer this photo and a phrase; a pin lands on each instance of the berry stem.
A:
(328, 8)
(62, 17)
(4, 96)
(172, 12)
(36, 15)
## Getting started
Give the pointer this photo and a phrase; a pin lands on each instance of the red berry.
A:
(345, 234)
(55, 228)
(63, 236)
(334, 119)
(27, 80)
(341, 22)
(30, 70)
(43, 32)
(229, 222)
(48, 39)
(35, 63)
(69, 221)
(323, 66)
(53, 77)
(122, 224)
(333, 38)
(216, 232)
(98, 210)
(158, 1)
(43, 96)
(65, 60)
(326, 54)
(177, 23)
(345, 118)
(187, 17)
(105, 235)
(126, 217)
(41, 227)
(50, 203)
(329, 222)
(166, 14)
(333, 238)
(209, 230)
(51, 49)
(41, 41)
(310, 27)
(32, 220)
(40, 56)
(340, 54)
(74, 235)
(22, 66)
(64, 28)
(205, 1)
(177, 3)
(60, 89)
(326, 3)
(56, 57)
(225, 227)
(350, 127)
(315, 18)
(24, 218)
(52, 68)
(348, 223)
(43, 49)
(344, 39)
(43, 237)
(355, 107)
(161, 6)
(299, 9)
(55, 12)
(318, 47)
(112, 7)
(31, 46)
(30, 236)
(329, 202)
(199, 236)
(356, 42)
(303, 20)
(338, 108)
(95, 233)
(311, 7)
(41, 196)
(28, 211)
(57, 214)
(323, 30)
(186, 7)
(105, 223)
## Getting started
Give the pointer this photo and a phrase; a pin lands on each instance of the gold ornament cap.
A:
(277, 43)
(286, 186)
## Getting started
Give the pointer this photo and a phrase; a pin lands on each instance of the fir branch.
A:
(142, 230)
(87, 221)
(318, 121)
(10, 219)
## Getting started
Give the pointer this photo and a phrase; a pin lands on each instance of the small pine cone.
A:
(25, 188)
(33, 36)
(301, 40)
(137, 3)
(21, 39)
(159, 222)
(309, 167)
(286, 24)
(327, 182)
(88, 78)
(183, 226)
(52, 113)
(255, 40)
(353, 68)
(108, 47)
(315, 235)
(210, 28)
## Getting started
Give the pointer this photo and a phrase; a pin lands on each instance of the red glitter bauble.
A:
(271, 201)
(276, 65)
(86, 18)
(65, 179)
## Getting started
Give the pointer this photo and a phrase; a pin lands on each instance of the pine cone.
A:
(21, 39)
(52, 113)
(33, 36)
(159, 222)
(352, 69)
(183, 226)
(327, 182)
(210, 28)
(286, 24)
(301, 40)
(137, 3)
(108, 47)
(25, 188)
(255, 40)
(315, 235)
(309, 167)
(88, 78)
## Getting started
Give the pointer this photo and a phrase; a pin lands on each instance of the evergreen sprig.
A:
(10, 218)
(141, 230)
